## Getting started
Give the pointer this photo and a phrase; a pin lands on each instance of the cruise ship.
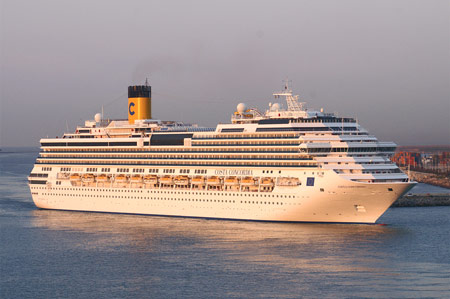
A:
(289, 163)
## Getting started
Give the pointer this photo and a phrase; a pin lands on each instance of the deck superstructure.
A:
(291, 164)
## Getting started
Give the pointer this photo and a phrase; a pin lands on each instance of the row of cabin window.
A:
(39, 175)
(243, 194)
(249, 136)
(175, 199)
(351, 149)
(245, 143)
(175, 150)
(135, 170)
(188, 157)
(184, 163)
(324, 120)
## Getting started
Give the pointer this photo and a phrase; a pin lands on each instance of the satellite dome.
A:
(276, 107)
(98, 117)
(241, 108)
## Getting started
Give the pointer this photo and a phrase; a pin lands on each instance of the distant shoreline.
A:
(423, 200)
(19, 149)
(439, 180)
(427, 148)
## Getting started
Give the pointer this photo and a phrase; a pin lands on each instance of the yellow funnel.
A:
(139, 103)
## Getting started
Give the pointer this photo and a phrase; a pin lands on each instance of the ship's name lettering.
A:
(233, 172)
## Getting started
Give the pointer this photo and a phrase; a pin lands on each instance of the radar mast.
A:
(292, 101)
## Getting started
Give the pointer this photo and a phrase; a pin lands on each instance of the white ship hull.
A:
(293, 164)
(341, 201)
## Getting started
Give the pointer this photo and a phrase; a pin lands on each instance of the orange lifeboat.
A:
(181, 180)
(75, 177)
(266, 182)
(88, 177)
(213, 180)
(151, 179)
(121, 178)
(198, 180)
(248, 181)
(102, 178)
(166, 180)
(136, 178)
(232, 181)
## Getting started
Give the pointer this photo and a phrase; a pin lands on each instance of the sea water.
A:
(48, 254)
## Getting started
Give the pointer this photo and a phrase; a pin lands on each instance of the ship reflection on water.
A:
(331, 247)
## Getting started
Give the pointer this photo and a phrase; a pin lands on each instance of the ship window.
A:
(232, 130)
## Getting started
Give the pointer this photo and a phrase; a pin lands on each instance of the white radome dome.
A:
(276, 107)
(241, 108)
(98, 117)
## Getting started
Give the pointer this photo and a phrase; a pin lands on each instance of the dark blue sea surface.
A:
(48, 254)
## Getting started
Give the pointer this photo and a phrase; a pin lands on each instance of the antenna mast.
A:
(291, 100)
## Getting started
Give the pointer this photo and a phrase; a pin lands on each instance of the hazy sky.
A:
(386, 63)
